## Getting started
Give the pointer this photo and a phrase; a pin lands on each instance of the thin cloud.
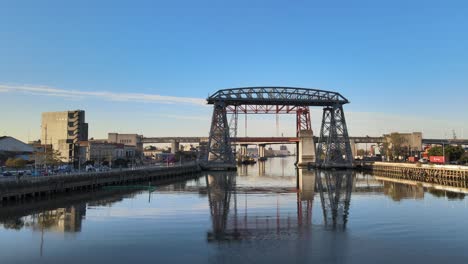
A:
(110, 96)
(184, 117)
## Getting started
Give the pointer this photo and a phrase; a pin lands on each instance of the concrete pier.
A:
(40, 186)
(261, 150)
(306, 148)
(243, 150)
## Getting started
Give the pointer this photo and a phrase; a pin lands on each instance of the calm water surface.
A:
(267, 213)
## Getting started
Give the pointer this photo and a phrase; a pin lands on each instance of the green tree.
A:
(453, 153)
(16, 163)
(435, 151)
(464, 158)
(395, 146)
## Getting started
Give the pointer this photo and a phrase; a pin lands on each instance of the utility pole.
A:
(277, 124)
(45, 150)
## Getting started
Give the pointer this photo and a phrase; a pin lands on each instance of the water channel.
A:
(263, 213)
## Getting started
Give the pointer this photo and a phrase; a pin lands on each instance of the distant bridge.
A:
(289, 140)
(254, 140)
(446, 141)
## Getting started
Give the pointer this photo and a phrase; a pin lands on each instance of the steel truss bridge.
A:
(334, 149)
(167, 140)
(287, 140)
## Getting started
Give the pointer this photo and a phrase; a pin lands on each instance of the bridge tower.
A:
(219, 152)
(334, 148)
(306, 145)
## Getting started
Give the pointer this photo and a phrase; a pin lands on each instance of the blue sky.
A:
(402, 65)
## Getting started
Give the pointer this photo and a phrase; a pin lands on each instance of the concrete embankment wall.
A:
(38, 186)
(421, 172)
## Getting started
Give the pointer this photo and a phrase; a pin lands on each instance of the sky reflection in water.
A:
(262, 214)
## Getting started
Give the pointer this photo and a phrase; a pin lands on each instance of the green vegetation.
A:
(453, 153)
(361, 152)
(464, 158)
(395, 146)
(17, 163)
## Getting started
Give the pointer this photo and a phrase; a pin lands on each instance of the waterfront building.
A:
(152, 152)
(413, 141)
(127, 139)
(11, 144)
(63, 130)
(11, 147)
(101, 151)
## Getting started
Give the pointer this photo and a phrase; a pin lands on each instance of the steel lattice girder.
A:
(334, 147)
(292, 96)
(219, 142)
(261, 109)
(303, 120)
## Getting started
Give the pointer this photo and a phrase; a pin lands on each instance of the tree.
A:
(50, 157)
(395, 146)
(16, 163)
(361, 152)
(453, 153)
(435, 151)
(464, 158)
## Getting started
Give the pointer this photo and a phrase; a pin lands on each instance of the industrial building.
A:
(63, 130)
(127, 139)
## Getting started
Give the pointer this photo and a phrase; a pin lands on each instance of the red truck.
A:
(413, 159)
(437, 159)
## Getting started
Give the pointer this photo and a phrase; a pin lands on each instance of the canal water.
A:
(263, 213)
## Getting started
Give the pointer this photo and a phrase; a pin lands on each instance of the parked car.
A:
(7, 174)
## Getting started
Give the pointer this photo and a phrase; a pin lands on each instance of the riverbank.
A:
(41, 186)
(420, 172)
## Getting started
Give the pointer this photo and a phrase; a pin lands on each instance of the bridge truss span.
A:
(334, 147)
(291, 96)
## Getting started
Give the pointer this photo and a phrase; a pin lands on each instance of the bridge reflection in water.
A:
(230, 211)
